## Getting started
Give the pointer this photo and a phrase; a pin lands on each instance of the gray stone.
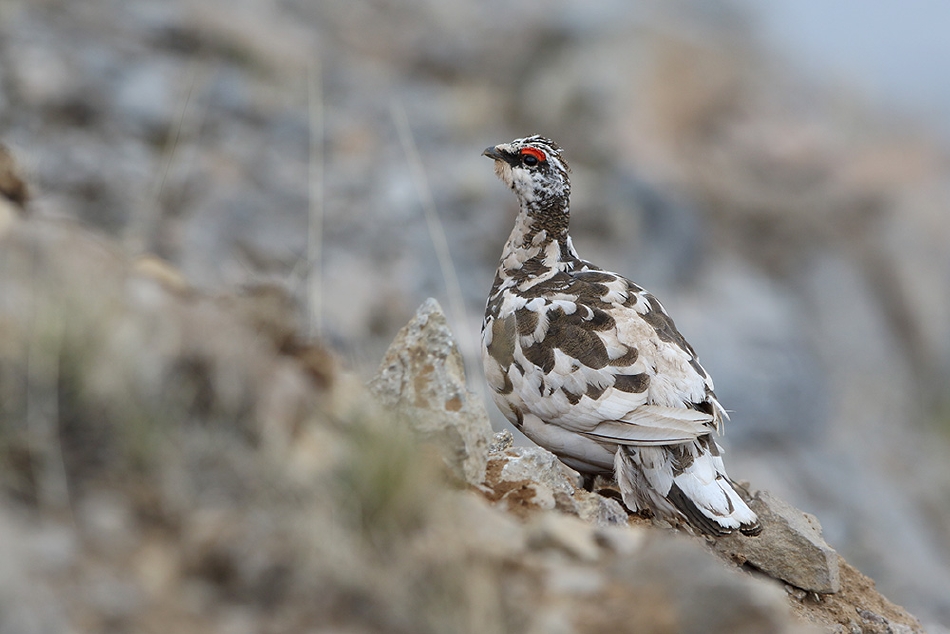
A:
(423, 377)
(540, 466)
(549, 484)
(668, 570)
(565, 532)
(599, 510)
(790, 547)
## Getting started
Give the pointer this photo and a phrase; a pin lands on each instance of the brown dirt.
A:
(858, 607)
(518, 495)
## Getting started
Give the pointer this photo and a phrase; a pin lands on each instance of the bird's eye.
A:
(532, 156)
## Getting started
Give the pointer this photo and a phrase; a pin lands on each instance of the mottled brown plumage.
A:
(590, 366)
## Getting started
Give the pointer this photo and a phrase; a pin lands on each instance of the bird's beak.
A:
(493, 153)
(499, 155)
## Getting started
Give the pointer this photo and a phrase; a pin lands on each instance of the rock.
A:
(500, 441)
(570, 534)
(423, 377)
(236, 494)
(858, 607)
(704, 595)
(727, 165)
(172, 351)
(488, 530)
(599, 510)
(540, 466)
(790, 547)
(525, 479)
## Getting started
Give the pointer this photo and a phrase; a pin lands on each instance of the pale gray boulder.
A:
(422, 376)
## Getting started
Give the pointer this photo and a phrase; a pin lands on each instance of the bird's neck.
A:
(540, 233)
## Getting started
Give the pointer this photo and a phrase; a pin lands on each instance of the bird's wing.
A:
(594, 353)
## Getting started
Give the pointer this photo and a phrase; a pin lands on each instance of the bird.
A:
(590, 366)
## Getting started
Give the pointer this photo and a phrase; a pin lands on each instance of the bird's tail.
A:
(684, 483)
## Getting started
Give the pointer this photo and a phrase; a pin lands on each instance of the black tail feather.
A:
(696, 518)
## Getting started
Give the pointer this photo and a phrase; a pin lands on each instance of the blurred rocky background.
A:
(794, 223)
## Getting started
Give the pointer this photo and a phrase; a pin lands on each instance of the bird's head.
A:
(533, 168)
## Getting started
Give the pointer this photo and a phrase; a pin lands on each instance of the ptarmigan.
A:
(589, 365)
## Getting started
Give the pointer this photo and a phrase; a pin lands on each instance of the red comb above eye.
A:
(538, 154)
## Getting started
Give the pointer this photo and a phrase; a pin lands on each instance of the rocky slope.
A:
(171, 460)
(796, 231)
